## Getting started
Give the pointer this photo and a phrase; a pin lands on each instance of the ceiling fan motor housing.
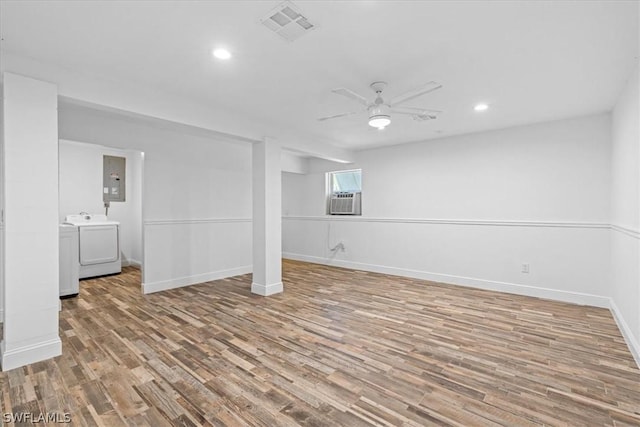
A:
(378, 87)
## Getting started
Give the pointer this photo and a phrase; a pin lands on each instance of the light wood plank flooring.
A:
(339, 347)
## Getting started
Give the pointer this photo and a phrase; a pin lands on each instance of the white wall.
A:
(197, 196)
(136, 181)
(31, 222)
(625, 212)
(293, 162)
(80, 190)
(2, 206)
(472, 209)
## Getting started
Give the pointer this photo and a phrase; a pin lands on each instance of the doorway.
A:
(81, 171)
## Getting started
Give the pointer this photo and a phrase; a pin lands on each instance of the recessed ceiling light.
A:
(481, 107)
(222, 53)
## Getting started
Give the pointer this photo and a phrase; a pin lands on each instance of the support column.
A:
(267, 218)
(30, 148)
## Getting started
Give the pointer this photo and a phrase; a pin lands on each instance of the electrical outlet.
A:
(525, 268)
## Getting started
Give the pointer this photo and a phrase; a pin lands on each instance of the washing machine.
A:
(99, 244)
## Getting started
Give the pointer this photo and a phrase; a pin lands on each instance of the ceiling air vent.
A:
(287, 21)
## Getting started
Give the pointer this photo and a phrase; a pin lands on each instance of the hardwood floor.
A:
(339, 347)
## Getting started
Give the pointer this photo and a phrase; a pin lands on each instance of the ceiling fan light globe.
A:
(380, 121)
(379, 115)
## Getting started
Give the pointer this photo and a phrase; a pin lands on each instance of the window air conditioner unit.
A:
(345, 203)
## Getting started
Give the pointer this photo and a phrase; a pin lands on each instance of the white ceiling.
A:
(531, 61)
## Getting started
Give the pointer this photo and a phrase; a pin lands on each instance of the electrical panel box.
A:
(113, 178)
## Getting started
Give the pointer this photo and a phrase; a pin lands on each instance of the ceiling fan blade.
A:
(414, 111)
(322, 119)
(424, 117)
(422, 90)
(351, 95)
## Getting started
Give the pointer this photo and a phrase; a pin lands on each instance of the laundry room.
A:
(100, 192)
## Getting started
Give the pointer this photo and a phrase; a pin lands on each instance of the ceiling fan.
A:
(380, 110)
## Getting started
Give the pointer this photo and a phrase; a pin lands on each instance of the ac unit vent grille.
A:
(287, 21)
(280, 19)
(290, 13)
(304, 24)
(345, 203)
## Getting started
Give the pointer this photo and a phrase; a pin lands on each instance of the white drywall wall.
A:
(80, 172)
(267, 218)
(472, 209)
(2, 206)
(30, 330)
(625, 211)
(294, 163)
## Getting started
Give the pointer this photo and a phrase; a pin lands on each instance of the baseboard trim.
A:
(512, 288)
(266, 290)
(26, 355)
(179, 282)
(632, 342)
(131, 263)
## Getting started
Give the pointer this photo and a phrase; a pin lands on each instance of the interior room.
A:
(320, 213)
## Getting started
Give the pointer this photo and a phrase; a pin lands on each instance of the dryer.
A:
(99, 242)
(69, 261)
